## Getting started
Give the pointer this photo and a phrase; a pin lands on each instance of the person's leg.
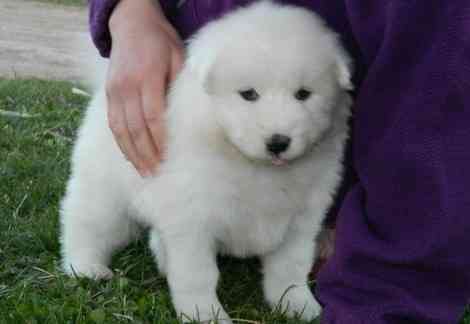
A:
(402, 244)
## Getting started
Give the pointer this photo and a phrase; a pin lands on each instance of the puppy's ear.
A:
(344, 67)
(201, 63)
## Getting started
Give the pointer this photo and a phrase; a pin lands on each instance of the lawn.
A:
(34, 149)
(34, 164)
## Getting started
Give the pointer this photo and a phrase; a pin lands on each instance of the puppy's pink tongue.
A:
(278, 161)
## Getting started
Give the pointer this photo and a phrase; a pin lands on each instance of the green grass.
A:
(466, 316)
(34, 167)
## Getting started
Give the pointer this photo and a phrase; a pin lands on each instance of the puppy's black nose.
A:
(278, 143)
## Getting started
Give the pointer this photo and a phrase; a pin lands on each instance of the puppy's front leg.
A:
(192, 274)
(286, 271)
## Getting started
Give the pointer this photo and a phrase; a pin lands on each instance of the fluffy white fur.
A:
(219, 190)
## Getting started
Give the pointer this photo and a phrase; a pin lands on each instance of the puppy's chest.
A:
(257, 218)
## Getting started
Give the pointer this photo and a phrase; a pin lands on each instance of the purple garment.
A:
(403, 230)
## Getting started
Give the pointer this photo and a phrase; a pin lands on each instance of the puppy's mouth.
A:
(279, 161)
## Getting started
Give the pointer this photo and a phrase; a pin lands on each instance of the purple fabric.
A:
(403, 231)
(99, 12)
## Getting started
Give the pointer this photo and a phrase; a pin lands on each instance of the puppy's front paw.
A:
(207, 318)
(203, 311)
(298, 300)
(93, 271)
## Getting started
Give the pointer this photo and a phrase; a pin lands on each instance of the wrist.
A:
(136, 16)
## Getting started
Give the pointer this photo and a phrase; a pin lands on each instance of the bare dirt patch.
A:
(39, 40)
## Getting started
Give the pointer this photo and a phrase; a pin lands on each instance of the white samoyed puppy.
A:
(257, 122)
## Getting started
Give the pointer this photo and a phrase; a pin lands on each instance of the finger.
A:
(176, 65)
(153, 100)
(140, 135)
(118, 125)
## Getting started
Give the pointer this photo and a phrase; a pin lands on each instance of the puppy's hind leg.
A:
(94, 224)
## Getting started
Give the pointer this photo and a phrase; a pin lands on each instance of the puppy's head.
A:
(272, 75)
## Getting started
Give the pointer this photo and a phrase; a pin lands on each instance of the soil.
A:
(39, 40)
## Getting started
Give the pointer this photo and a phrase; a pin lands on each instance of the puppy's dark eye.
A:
(249, 95)
(302, 94)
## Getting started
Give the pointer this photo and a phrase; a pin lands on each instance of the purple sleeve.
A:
(99, 13)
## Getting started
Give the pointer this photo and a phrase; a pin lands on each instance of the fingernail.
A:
(146, 173)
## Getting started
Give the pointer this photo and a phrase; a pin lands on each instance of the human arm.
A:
(146, 55)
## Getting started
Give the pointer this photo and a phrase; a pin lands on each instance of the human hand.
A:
(146, 56)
